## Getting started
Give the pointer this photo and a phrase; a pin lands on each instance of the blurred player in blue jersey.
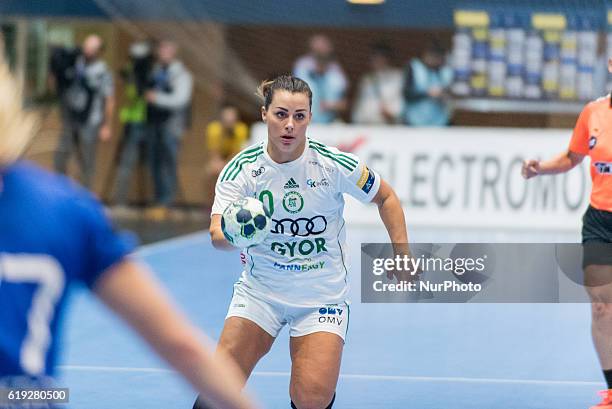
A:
(54, 234)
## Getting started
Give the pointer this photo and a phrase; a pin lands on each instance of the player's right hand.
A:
(530, 168)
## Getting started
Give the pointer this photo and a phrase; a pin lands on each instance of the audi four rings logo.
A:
(301, 227)
(258, 172)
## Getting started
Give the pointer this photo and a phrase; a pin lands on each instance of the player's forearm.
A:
(392, 216)
(219, 241)
(559, 164)
(135, 296)
(217, 378)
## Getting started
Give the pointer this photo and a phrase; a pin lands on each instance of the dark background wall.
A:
(337, 13)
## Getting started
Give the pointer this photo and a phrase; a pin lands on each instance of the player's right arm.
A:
(130, 291)
(578, 149)
(226, 192)
(231, 185)
(216, 234)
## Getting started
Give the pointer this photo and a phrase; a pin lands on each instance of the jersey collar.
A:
(286, 164)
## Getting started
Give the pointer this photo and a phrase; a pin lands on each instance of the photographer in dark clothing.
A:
(85, 88)
(133, 116)
(169, 99)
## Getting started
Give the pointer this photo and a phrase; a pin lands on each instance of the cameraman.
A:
(169, 100)
(133, 116)
(87, 104)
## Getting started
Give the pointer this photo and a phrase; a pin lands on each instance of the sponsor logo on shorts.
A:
(258, 172)
(293, 202)
(592, 142)
(313, 183)
(604, 168)
(238, 305)
(331, 315)
(299, 267)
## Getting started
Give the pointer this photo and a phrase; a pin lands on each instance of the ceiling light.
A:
(366, 1)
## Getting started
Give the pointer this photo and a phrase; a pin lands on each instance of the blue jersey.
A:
(52, 234)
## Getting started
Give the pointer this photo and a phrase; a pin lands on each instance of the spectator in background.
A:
(169, 102)
(225, 138)
(87, 105)
(133, 116)
(325, 77)
(379, 99)
(425, 83)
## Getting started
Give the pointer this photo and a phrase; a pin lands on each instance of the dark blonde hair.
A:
(289, 83)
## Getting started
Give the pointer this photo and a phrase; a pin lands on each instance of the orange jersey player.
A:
(593, 137)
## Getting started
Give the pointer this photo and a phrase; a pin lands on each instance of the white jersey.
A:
(302, 260)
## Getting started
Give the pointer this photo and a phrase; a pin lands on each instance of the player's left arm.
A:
(392, 216)
(367, 186)
(391, 213)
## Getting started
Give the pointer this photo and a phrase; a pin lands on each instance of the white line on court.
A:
(86, 368)
(396, 378)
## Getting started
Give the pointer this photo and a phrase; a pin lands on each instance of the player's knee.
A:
(601, 312)
(312, 397)
(228, 347)
(235, 347)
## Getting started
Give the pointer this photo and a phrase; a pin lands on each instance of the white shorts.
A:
(272, 316)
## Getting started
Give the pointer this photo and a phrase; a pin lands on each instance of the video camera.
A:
(62, 65)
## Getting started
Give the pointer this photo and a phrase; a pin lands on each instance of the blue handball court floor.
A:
(397, 356)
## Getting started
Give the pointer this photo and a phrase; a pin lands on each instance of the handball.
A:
(245, 222)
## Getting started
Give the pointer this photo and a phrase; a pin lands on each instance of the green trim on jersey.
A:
(348, 321)
(240, 154)
(235, 166)
(231, 165)
(341, 154)
(252, 262)
(333, 157)
(341, 252)
(244, 161)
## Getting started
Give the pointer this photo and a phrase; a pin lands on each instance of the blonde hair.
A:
(17, 127)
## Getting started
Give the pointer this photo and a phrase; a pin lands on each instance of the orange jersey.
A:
(593, 137)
